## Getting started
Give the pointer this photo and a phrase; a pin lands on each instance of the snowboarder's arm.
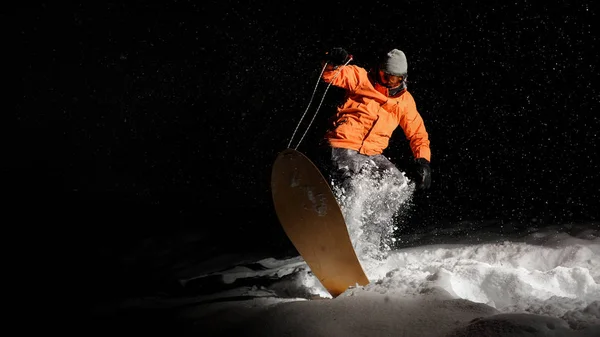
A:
(414, 129)
(337, 72)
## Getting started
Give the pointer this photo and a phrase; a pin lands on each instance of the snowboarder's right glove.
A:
(423, 174)
(337, 56)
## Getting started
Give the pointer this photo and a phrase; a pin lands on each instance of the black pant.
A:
(370, 191)
(339, 164)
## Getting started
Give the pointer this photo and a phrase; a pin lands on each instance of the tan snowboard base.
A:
(312, 219)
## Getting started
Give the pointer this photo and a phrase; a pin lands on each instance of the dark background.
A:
(138, 120)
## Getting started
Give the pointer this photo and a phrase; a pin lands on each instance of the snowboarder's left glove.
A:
(423, 174)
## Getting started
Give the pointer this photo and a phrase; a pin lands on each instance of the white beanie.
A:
(395, 63)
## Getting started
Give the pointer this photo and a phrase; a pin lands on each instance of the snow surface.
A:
(473, 279)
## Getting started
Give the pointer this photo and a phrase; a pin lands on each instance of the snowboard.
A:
(313, 221)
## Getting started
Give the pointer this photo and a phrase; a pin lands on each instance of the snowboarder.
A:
(376, 103)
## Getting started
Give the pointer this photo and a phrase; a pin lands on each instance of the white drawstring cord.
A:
(318, 107)
(308, 106)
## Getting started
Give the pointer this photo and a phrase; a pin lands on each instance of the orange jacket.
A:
(366, 121)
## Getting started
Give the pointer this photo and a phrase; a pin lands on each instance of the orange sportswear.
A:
(368, 117)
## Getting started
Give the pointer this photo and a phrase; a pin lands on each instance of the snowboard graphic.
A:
(312, 219)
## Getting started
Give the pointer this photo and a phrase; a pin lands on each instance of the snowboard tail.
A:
(313, 221)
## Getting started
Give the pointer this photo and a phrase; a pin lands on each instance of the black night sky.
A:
(140, 120)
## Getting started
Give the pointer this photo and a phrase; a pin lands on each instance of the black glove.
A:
(337, 56)
(423, 174)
